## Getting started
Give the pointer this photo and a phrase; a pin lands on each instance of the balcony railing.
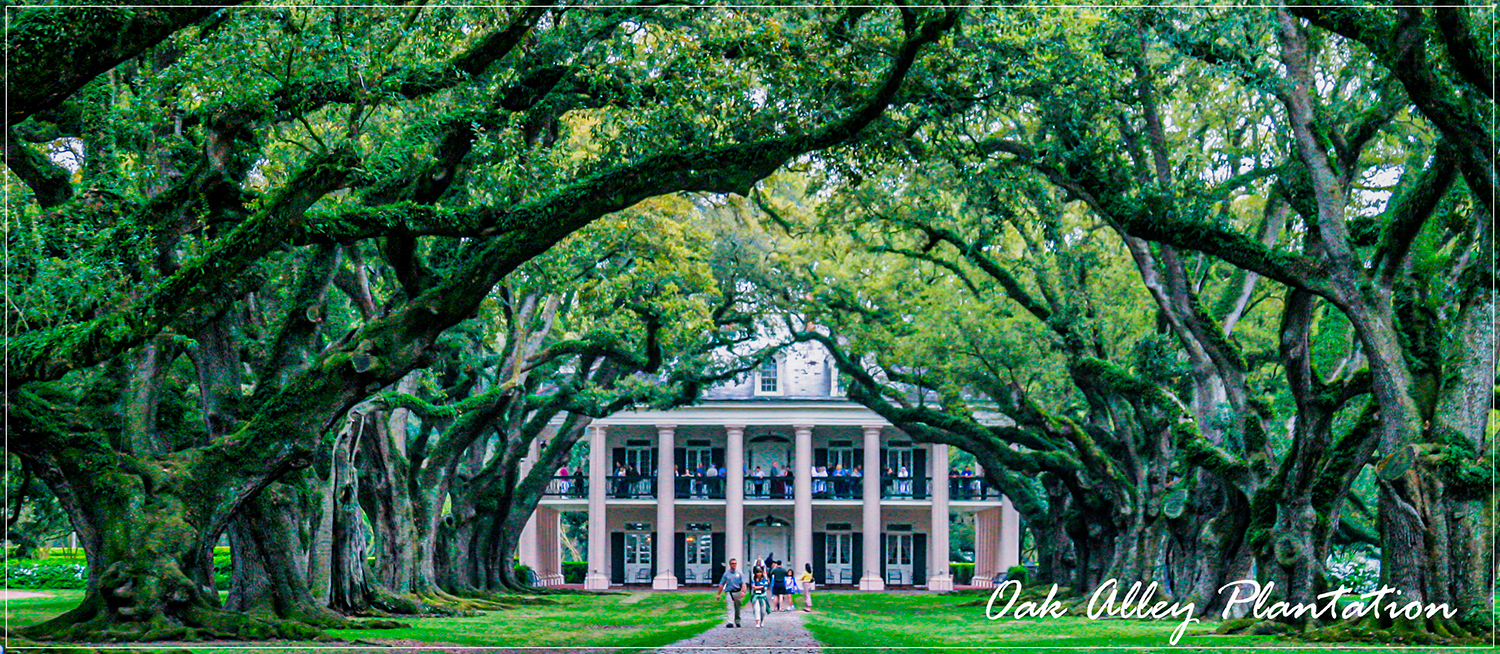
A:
(570, 486)
(971, 489)
(838, 487)
(769, 488)
(633, 487)
(905, 488)
(963, 489)
(700, 488)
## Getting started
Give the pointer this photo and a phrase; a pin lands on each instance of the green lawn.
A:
(644, 619)
(639, 619)
(22, 612)
(622, 620)
(941, 621)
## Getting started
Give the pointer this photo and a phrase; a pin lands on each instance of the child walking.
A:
(760, 589)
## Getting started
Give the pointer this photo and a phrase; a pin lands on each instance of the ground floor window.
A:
(838, 558)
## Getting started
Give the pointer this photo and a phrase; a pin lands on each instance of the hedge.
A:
(574, 571)
(67, 571)
(30, 573)
(963, 573)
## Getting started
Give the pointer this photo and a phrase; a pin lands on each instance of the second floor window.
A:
(770, 378)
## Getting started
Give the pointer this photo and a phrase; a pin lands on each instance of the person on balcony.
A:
(682, 483)
(621, 484)
(903, 486)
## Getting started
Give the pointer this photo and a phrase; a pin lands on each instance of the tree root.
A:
(1253, 627)
(1365, 629)
(466, 604)
(511, 598)
(191, 623)
(377, 624)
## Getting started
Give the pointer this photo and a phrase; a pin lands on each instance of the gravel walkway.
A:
(783, 634)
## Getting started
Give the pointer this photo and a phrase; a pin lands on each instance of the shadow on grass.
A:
(614, 621)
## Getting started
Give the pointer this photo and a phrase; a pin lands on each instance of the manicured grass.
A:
(640, 619)
(941, 621)
(23, 612)
(631, 620)
(645, 620)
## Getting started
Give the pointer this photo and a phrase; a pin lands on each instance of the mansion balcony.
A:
(687, 487)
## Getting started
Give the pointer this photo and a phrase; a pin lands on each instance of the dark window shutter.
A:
(919, 558)
(717, 454)
(820, 552)
(679, 556)
(858, 571)
(679, 455)
(617, 557)
(883, 554)
(655, 552)
(619, 459)
(859, 459)
(718, 567)
(884, 460)
(919, 473)
(820, 456)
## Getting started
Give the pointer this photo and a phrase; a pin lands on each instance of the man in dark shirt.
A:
(733, 584)
(778, 588)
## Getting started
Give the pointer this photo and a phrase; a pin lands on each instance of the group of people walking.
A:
(770, 590)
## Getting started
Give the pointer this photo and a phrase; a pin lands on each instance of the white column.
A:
(802, 536)
(548, 546)
(938, 576)
(666, 508)
(527, 546)
(598, 576)
(870, 577)
(986, 547)
(734, 496)
(1010, 535)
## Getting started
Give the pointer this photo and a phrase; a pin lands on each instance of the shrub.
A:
(223, 569)
(1353, 568)
(963, 573)
(40, 574)
(574, 571)
(524, 574)
(66, 569)
(1018, 573)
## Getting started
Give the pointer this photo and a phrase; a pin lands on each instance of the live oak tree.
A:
(1201, 139)
(628, 312)
(183, 337)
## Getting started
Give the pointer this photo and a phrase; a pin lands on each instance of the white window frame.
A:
(780, 379)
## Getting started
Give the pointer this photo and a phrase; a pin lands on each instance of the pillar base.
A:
(595, 581)
(664, 581)
(944, 582)
(983, 581)
(871, 582)
(550, 580)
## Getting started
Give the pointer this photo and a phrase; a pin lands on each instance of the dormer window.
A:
(768, 378)
(835, 387)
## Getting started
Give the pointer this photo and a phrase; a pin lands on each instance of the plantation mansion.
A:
(775, 465)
